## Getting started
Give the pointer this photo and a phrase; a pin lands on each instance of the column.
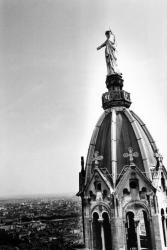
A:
(91, 234)
(138, 235)
(102, 234)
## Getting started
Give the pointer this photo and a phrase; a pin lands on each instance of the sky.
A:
(52, 78)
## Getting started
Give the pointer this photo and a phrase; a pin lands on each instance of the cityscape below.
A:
(41, 222)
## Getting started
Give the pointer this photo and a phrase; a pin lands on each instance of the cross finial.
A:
(97, 158)
(131, 155)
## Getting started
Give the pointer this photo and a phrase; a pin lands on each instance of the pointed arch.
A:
(97, 241)
(137, 226)
(163, 225)
(145, 235)
(107, 231)
(131, 231)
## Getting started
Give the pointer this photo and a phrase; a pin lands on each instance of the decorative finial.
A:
(111, 60)
(131, 155)
(159, 159)
(82, 163)
(97, 158)
(158, 156)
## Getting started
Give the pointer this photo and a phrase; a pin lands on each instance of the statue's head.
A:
(108, 33)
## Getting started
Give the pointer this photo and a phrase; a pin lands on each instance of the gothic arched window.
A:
(107, 231)
(145, 240)
(144, 189)
(131, 232)
(134, 183)
(97, 241)
(163, 225)
(104, 193)
(163, 184)
(143, 193)
(99, 187)
(125, 191)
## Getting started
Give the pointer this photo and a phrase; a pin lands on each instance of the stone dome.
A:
(117, 130)
(123, 185)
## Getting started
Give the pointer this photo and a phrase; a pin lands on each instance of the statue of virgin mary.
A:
(110, 49)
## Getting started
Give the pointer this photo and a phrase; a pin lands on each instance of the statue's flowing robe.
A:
(111, 59)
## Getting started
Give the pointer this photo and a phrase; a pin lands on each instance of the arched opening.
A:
(134, 188)
(92, 195)
(163, 184)
(99, 187)
(131, 231)
(163, 225)
(107, 231)
(138, 231)
(143, 193)
(104, 193)
(134, 184)
(144, 189)
(125, 191)
(144, 230)
(96, 227)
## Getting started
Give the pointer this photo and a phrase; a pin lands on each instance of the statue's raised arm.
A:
(101, 46)
(110, 49)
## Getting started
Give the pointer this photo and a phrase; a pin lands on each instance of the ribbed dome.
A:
(117, 130)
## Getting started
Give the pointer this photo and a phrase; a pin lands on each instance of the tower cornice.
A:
(115, 96)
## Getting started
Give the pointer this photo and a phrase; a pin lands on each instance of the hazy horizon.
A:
(38, 196)
(52, 78)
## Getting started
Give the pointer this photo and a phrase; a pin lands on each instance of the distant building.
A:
(123, 185)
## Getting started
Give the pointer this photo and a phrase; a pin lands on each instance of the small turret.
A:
(81, 177)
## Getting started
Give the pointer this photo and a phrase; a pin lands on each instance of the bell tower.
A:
(122, 185)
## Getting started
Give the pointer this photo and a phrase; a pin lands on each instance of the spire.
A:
(115, 96)
(82, 164)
